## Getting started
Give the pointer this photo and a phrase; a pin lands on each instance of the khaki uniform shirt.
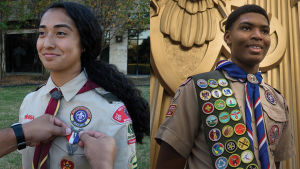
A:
(184, 130)
(109, 118)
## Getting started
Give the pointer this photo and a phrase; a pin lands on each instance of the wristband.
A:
(17, 127)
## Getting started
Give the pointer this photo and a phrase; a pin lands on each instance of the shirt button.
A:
(256, 146)
(253, 120)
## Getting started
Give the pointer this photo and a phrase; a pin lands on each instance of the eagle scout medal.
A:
(247, 156)
(171, 110)
(270, 97)
(130, 134)
(227, 92)
(252, 78)
(211, 121)
(67, 162)
(231, 102)
(214, 134)
(252, 166)
(223, 82)
(73, 138)
(243, 143)
(224, 117)
(273, 134)
(220, 104)
(234, 160)
(202, 83)
(216, 93)
(205, 95)
(239, 129)
(236, 115)
(132, 162)
(227, 131)
(207, 108)
(212, 83)
(230, 146)
(221, 163)
(81, 116)
(218, 149)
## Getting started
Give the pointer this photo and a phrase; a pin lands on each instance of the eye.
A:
(41, 33)
(61, 33)
(246, 28)
(265, 31)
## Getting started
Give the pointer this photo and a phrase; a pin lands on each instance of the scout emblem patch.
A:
(227, 131)
(243, 143)
(239, 129)
(176, 94)
(218, 149)
(67, 162)
(230, 146)
(211, 121)
(223, 82)
(247, 156)
(205, 95)
(212, 83)
(220, 104)
(273, 134)
(234, 160)
(185, 82)
(132, 162)
(214, 134)
(216, 93)
(231, 102)
(236, 115)
(121, 115)
(252, 78)
(202, 83)
(221, 163)
(270, 97)
(171, 110)
(224, 117)
(130, 134)
(81, 116)
(207, 108)
(227, 92)
(252, 166)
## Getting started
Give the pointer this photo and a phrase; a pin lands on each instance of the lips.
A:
(255, 48)
(50, 55)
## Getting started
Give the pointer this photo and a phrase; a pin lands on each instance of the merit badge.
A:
(230, 146)
(227, 92)
(216, 93)
(252, 166)
(132, 162)
(234, 160)
(270, 97)
(80, 116)
(223, 82)
(202, 83)
(218, 149)
(171, 110)
(273, 134)
(205, 95)
(211, 121)
(231, 102)
(214, 134)
(243, 143)
(67, 162)
(185, 82)
(207, 108)
(121, 115)
(236, 115)
(224, 117)
(130, 134)
(252, 78)
(212, 83)
(220, 104)
(227, 131)
(247, 156)
(221, 163)
(239, 129)
(176, 95)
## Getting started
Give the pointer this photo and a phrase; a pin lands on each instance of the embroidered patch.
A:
(202, 83)
(132, 162)
(252, 166)
(224, 117)
(270, 97)
(130, 134)
(80, 116)
(216, 93)
(176, 95)
(171, 110)
(214, 134)
(205, 95)
(218, 149)
(121, 115)
(230, 146)
(273, 134)
(243, 143)
(223, 82)
(212, 83)
(30, 117)
(185, 82)
(247, 156)
(227, 131)
(234, 160)
(227, 92)
(211, 121)
(231, 102)
(220, 104)
(67, 162)
(221, 163)
(207, 108)
(236, 115)
(239, 129)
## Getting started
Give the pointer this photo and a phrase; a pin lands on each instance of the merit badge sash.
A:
(224, 128)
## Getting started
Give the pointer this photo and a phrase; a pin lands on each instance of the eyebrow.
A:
(251, 24)
(58, 26)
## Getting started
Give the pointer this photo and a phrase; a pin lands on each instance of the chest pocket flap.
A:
(274, 113)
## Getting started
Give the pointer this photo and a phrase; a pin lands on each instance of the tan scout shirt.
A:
(105, 118)
(184, 130)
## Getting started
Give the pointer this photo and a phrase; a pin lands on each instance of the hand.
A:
(43, 129)
(99, 148)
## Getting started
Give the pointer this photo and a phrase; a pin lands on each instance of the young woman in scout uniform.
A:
(85, 93)
(229, 118)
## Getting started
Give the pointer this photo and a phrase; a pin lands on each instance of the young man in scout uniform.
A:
(229, 118)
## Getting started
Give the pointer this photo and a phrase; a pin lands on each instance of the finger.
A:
(59, 122)
(81, 144)
(95, 134)
(52, 138)
(84, 137)
(45, 141)
(60, 131)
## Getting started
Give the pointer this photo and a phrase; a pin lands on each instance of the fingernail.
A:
(68, 131)
(80, 133)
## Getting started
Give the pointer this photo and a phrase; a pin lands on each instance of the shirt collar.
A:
(70, 89)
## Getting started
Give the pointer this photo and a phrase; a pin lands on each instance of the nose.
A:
(49, 42)
(256, 34)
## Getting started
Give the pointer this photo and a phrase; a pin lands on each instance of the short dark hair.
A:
(234, 16)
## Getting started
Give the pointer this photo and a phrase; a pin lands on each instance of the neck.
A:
(253, 69)
(60, 78)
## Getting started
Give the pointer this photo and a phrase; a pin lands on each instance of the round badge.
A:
(273, 134)
(252, 166)
(239, 129)
(216, 93)
(220, 104)
(227, 92)
(270, 97)
(230, 146)
(218, 149)
(236, 115)
(223, 82)
(243, 143)
(234, 160)
(247, 156)
(214, 134)
(205, 95)
(227, 131)
(252, 78)
(81, 116)
(221, 163)
(207, 108)
(212, 83)
(67, 162)
(202, 83)
(231, 102)
(211, 121)
(224, 117)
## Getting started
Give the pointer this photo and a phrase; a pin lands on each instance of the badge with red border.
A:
(239, 129)
(171, 110)
(273, 134)
(121, 115)
(234, 160)
(207, 108)
(67, 162)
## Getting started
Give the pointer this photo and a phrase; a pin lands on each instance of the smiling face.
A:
(248, 40)
(58, 44)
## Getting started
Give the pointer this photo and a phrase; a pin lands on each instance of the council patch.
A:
(171, 110)
(80, 116)
(121, 115)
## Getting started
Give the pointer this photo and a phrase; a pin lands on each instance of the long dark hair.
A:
(106, 75)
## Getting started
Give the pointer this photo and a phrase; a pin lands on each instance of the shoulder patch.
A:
(39, 86)
(130, 134)
(274, 89)
(187, 80)
(121, 115)
(171, 110)
(132, 161)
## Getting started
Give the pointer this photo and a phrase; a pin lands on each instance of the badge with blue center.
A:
(231, 102)
(223, 82)
(224, 117)
(202, 83)
(211, 121)
(220, 104)
(218, 149)
(80, 116)
(227, 131)
(247, 156)
(227, 92)
(216, 93)
(214, 134)
(221, 163)
(212, 83)
(235, 115)
(270, 97)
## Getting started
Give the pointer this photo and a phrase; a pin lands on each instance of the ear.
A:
(227, 38)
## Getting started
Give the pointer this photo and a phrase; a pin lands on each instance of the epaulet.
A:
(186, 81)
(274, 89)
(107, 95)
(40, 86)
